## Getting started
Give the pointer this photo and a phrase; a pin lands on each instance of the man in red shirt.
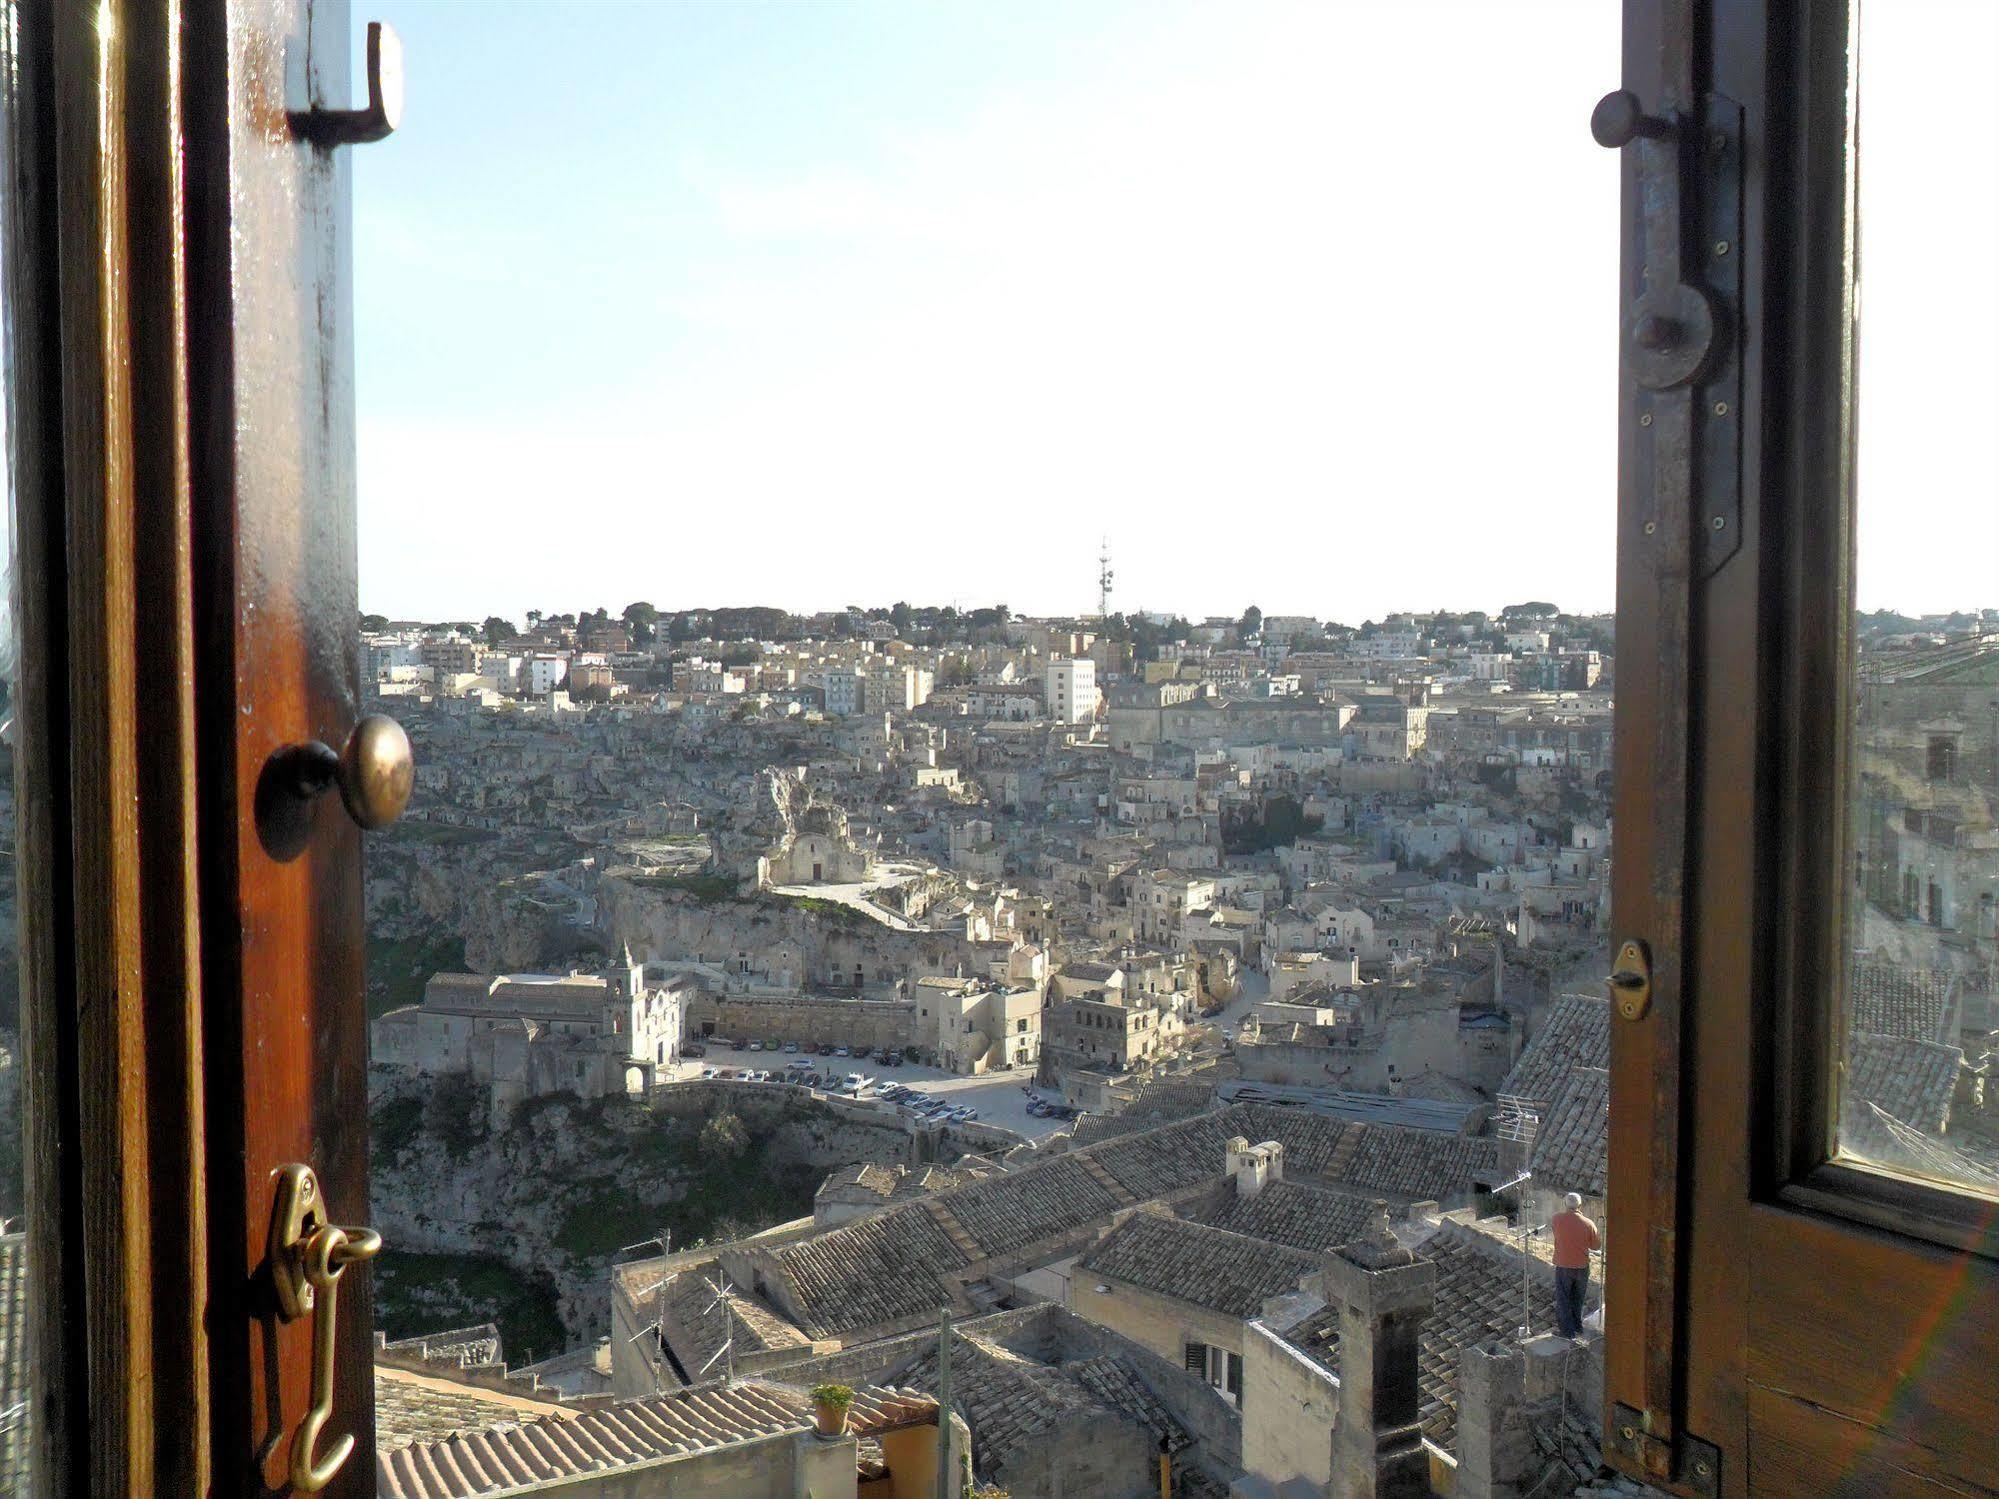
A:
(1575, 1237)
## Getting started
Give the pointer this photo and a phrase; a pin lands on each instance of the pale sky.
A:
(1311, 306)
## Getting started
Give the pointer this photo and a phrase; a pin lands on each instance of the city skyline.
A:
(834, 303)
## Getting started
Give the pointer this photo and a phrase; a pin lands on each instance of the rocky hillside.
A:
(520, 1223)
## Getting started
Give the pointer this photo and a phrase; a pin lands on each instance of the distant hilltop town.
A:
(1180, 1008)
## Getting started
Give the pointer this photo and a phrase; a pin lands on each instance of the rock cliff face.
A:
(558, 1192)
(671, 923)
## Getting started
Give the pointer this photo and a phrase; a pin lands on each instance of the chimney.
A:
(1254, 1166)
(1384, 1292)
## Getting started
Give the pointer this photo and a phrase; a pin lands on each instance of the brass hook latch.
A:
(307, 1258)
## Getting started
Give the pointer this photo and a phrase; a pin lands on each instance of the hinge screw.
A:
(1720, 521)
(1645, 420)
(1721, 408)
(1651, 526)
(1721, 247)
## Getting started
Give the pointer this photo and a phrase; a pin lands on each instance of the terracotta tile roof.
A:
(1575, 1034)
(697, 1323)
(1112, 1382)
(1011, 1401)
(1417, 1163)
(1313, 1143)
(1012, 1211)
(1478, 1297)
(684, 1424)
(1225, 1272)
(1572, 1148)
(1312, 1219)
(901, 1264)
(888, 1267)
(1910, 1079)
(1890, 1000)
(1170, 1157)
(413, 1407)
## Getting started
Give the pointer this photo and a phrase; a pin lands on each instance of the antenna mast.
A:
(1104, 579)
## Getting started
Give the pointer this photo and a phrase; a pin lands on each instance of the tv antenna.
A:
(1104, 579)
(723, 1291)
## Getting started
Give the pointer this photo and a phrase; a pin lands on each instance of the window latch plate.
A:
(1631, 980)
(1689, 1463)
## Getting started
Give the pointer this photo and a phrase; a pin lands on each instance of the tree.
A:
(643, 620)
(1251, 623)
(723, 1138)
(374, 622)
(496, 629)
(1533, 609)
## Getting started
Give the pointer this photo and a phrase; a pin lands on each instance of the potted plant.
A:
(829, 1407)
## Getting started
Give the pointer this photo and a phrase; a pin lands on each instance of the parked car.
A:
(826, 1050)
(755, 1046)
(1038, 1109)
(968, 1114)
(688, 1049)
(798, 1064)
(711, 1071)
(841, 1051)
(791, 1046)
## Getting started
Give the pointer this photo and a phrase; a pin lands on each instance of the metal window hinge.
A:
(1686, 1462)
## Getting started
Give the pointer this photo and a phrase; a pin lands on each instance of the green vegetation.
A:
(440, 834)
(394, 1124)
(706, 888)
(829, 910)
(420, 1293)
(398, 970)
(733, 1187)
(455, 1112)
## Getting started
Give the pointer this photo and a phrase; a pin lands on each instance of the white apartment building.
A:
(843, 688)
(1070, 687)
(546, 673)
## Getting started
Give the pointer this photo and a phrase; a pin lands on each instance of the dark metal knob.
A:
(1658, 333)
(374, 770)
(1619, 119)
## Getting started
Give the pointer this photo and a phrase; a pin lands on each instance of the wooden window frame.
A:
(181, 458)
(1803, 1326)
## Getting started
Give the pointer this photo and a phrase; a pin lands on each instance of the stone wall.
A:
(1289, 1406)
(809, 1020)
(806, 1127)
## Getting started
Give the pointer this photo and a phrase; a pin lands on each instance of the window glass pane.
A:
(1923, 923)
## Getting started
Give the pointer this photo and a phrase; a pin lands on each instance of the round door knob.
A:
(374, 770)
(377, 771)
(1619, 119)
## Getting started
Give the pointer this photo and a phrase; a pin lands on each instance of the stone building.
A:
(814, 845)
(527, 1034)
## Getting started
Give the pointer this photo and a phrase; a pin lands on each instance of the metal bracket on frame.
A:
(1692, 1464)
(1683, 330)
